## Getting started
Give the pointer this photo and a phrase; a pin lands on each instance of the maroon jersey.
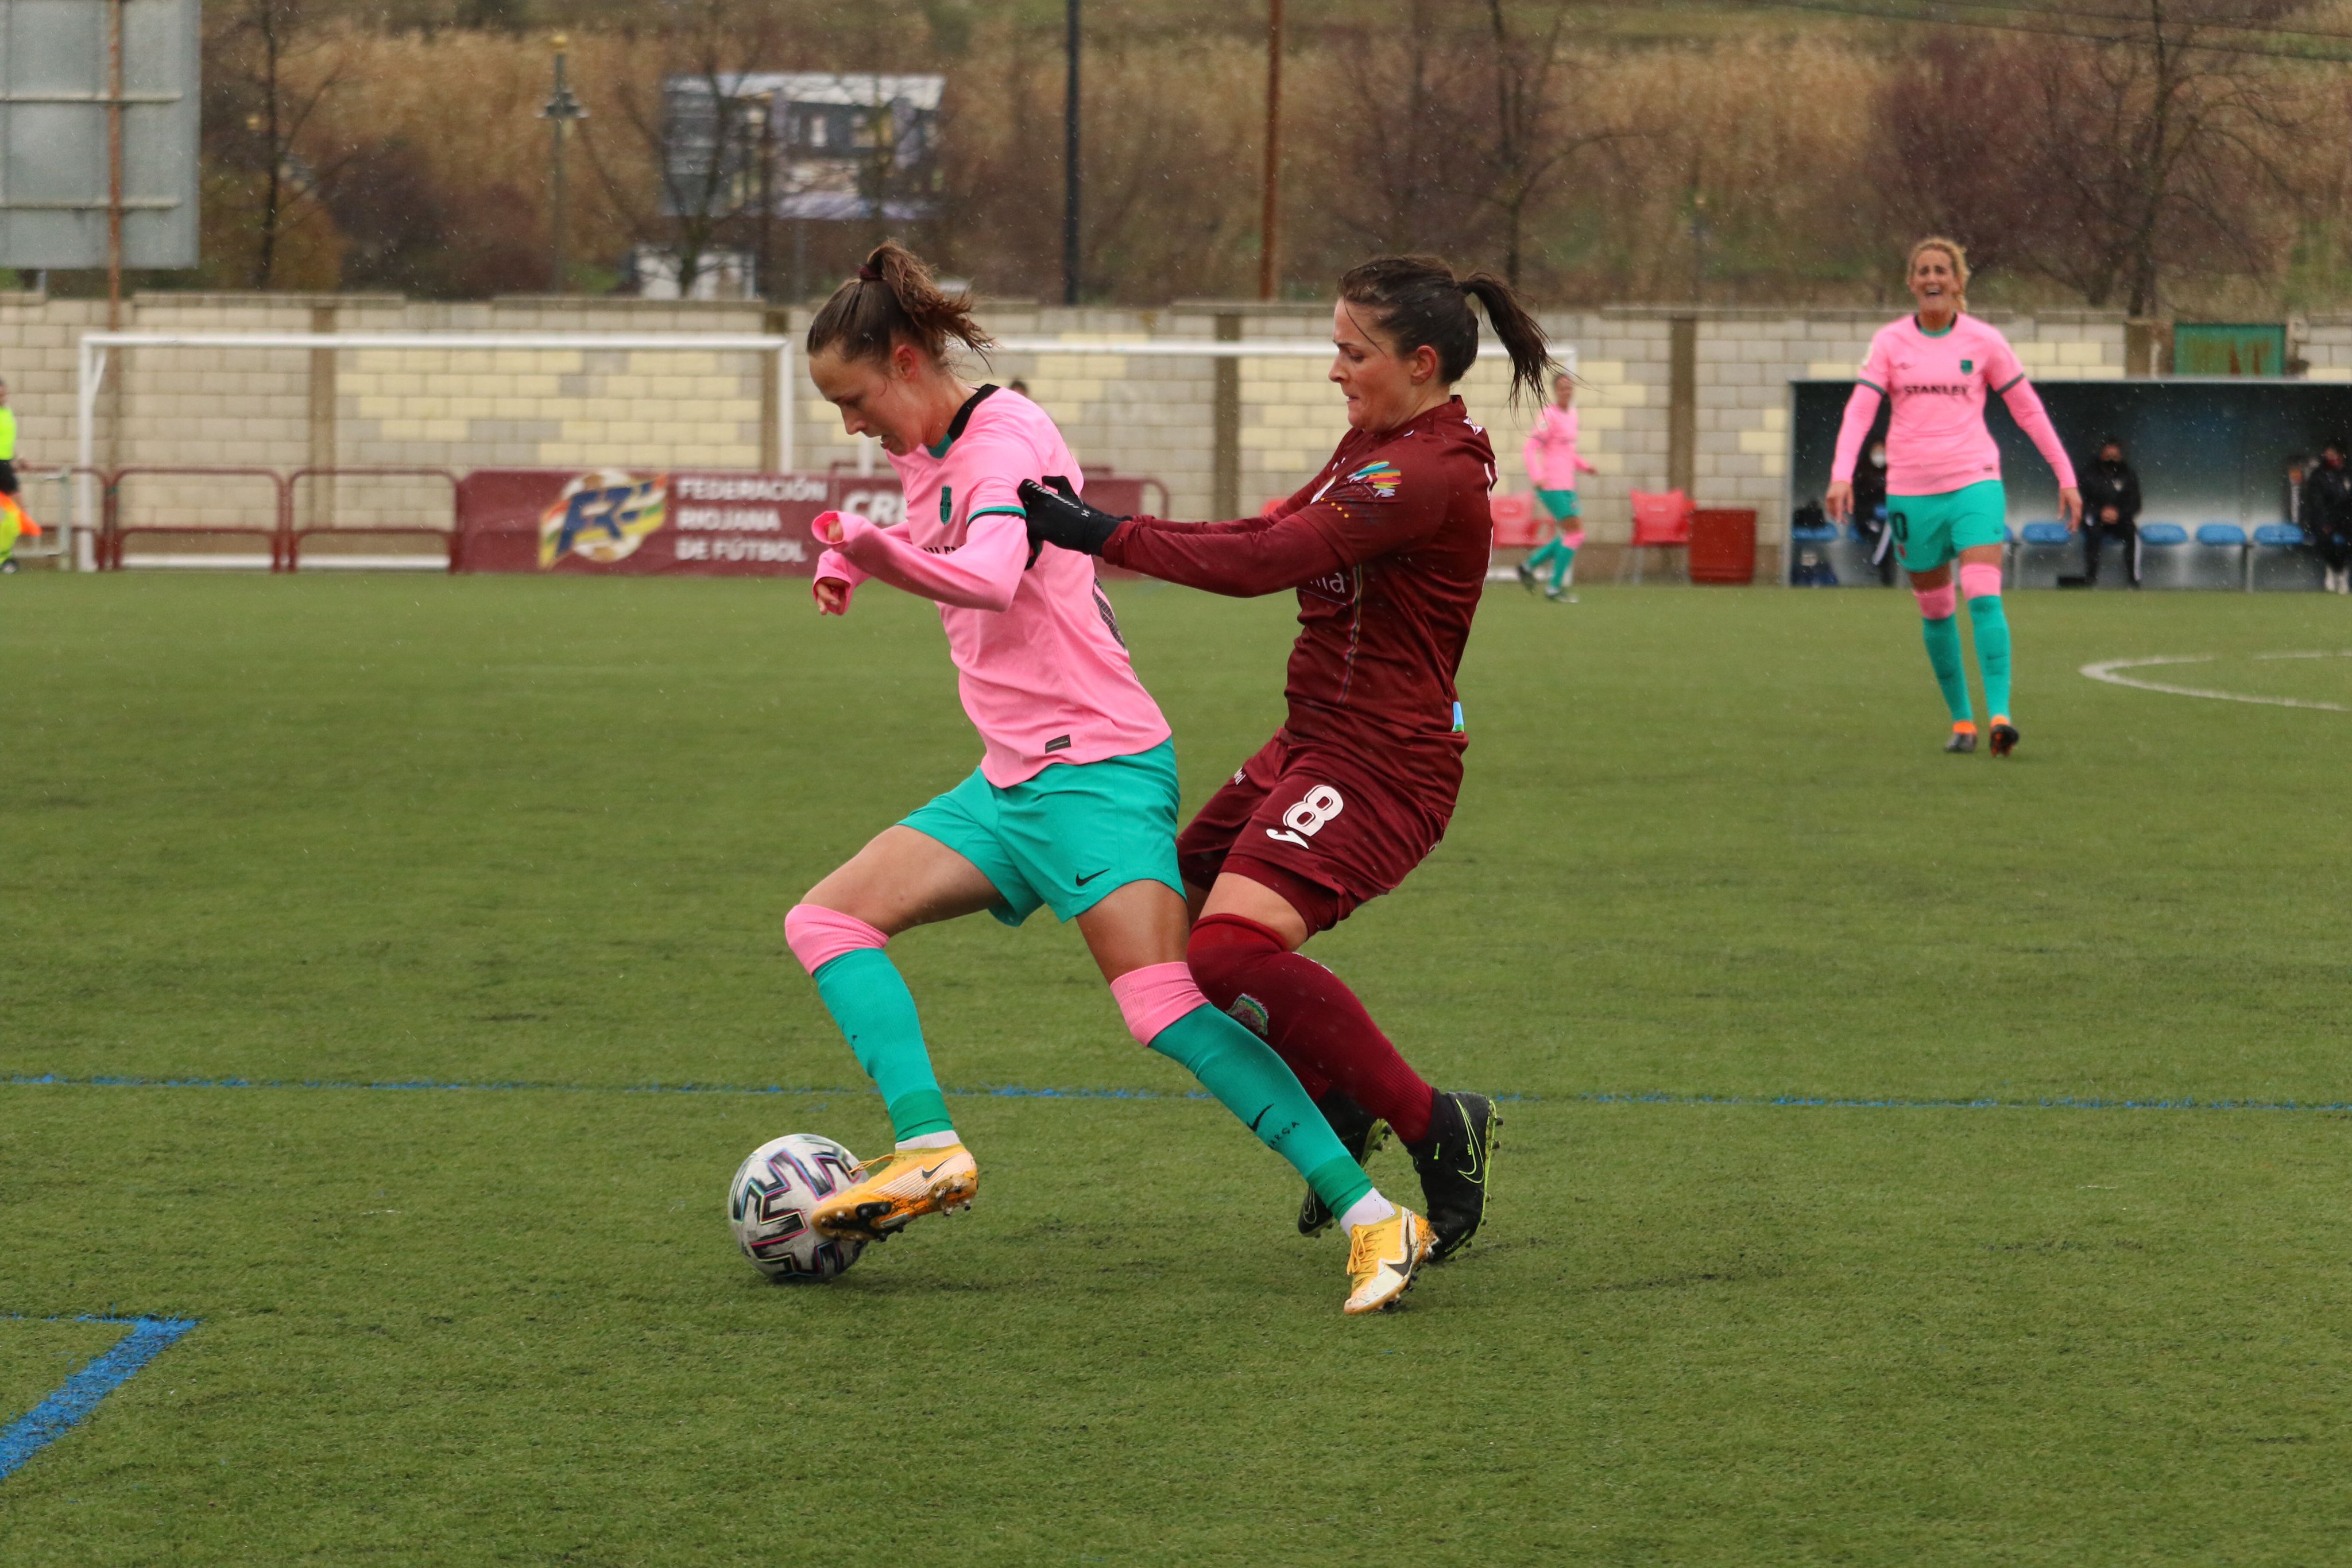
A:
(1388, 549)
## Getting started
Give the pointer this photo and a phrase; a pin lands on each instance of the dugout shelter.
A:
(2213, 455)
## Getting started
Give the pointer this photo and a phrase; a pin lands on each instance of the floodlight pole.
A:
(1070, 184)
(766, 111)
(561, 109)
(1269, 251)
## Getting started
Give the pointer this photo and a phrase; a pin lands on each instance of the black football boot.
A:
(1361, 1134)
(1453, 1163)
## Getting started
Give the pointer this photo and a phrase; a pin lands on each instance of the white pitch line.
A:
(2105, 671)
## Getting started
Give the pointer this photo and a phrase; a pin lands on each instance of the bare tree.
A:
(265, 80)
(1955, 156)
(1406, 133)
(2170, 129)
(2107, 162)
(1532, 143)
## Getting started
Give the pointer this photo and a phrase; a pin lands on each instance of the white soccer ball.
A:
(771, 1207)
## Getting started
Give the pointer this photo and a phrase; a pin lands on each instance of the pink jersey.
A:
(1550, 453)
(1043, 674)
(1937, 440)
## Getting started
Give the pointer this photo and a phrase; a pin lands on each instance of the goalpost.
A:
(98, 350)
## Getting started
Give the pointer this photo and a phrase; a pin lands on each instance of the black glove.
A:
(1056, 516)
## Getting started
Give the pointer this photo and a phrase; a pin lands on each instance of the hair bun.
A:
(868, 273)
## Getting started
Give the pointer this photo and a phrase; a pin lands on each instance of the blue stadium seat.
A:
(1820, 536)
(2222, 536)
(2281, 561)
(2046, 534)
(2163, 534)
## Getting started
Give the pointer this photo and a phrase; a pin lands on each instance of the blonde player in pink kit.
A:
(1943, 473)
(1074, 803)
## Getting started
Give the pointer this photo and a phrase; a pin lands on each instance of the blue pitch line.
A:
(1018, 1092)
(2046, 1103)
(113, 1081)
(78, 1395)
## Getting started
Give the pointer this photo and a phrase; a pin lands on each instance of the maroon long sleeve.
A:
(1244, 559)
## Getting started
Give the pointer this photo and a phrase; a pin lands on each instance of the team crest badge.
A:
(1968, 367)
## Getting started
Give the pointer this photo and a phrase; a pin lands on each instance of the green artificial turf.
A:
(541, 833)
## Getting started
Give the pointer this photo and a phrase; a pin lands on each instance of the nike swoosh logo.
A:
(1477, 1172)
(1090, 876)
(935, 1170)
(1261, 1116)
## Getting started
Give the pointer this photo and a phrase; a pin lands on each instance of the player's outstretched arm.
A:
(1861, 410)
(983, 573)
(1243, 557)
(2025, 407)
(1351, 523)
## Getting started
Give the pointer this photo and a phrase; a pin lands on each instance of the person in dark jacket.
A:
(2326, 515)
(2110, 511)
(1869, 511)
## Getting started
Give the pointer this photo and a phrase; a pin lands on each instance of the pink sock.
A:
(818, 935)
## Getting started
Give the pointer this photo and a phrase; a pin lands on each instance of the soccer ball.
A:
(772, 1200)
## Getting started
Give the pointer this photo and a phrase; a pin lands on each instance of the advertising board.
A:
(631, 522)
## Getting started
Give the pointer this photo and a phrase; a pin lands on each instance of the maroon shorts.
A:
(1318, 827)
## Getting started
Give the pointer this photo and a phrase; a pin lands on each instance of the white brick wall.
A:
(1135, 414)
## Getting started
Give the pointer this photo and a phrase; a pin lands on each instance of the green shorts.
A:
(1561, 504)
(1932, 529)
(1068, 836)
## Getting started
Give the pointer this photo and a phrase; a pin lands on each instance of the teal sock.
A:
(1249, 1079)
(1943, 639)
(875, 1009)
(1537, 560)
(1562, 565)
(1991, 624)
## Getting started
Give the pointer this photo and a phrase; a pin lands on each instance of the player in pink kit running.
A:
(1072, 805)
(1943, 473)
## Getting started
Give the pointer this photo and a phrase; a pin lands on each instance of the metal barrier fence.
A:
(453, 535)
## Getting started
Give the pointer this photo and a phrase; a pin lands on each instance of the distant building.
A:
(821, 146)
(721, 275)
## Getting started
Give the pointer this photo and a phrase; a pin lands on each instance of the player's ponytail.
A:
(1522, 335)
(893, 299)
(1418, 301)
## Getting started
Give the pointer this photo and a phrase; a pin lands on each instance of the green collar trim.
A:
(962, 418)
(1923, 326)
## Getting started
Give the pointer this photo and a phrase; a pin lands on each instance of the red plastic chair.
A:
(1659, 522)
(1515, 521)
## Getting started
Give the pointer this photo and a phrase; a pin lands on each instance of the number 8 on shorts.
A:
(1304, 819)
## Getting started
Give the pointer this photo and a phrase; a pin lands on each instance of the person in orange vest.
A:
(14, 520)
